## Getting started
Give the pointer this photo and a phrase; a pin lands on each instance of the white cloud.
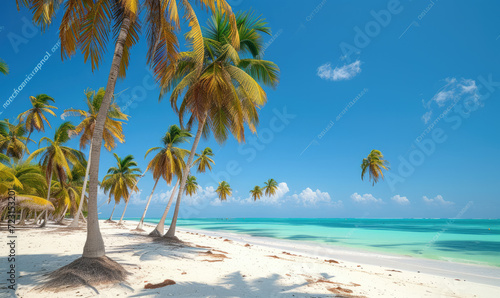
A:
(438, 200)
(427, 116)
(345, 72)
(308, 197)
(400, 200)
(202, 196)
(366, 198)
(135, 198)
(276, 199)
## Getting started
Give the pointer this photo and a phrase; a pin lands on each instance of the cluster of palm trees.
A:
(269, 189)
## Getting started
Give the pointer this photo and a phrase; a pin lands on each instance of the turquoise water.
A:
(462, 240)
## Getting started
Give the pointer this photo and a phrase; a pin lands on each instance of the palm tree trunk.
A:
(48, 199)
(62, 215)
(128, 199)
(160, 227)
(141, 222)
(111, 216)
(94, 245)
(185, 174)
(74, 224)
(27, 140)
(21, 220)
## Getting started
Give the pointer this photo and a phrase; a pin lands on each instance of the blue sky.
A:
(414, 79)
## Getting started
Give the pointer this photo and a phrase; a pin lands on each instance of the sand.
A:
(213, 264)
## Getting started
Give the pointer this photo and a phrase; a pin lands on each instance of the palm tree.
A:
(204, 160)
(70, 190)
(256, 193)
(4, 68)
(223, 190)
(57, 158)
(112, 130)
(271, 186)
(191, 186)
(220, 90)
(34, 117)
(374, 164)
(121, 181)
(169, 161)
(12, 139)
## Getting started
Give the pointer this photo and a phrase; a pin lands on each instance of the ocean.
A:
(472, 241)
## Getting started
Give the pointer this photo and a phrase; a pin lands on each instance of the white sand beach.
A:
(212, 264)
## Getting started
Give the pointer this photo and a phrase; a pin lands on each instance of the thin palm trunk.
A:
(74, 224)
(21, 220)
(94, 245)
(160, 227)
(26, 149)
(48, 199)
(141, 222)
(128, 199)
(111, 216)
(185, 174)
(63, 215)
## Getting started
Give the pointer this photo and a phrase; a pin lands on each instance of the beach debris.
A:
(166, 282)
(247, 245)
(288, 254)
(392, 270)
(217, 257)
(332, 261)
(339, 290)
(273, 256)
(184, 272)
(227, 240)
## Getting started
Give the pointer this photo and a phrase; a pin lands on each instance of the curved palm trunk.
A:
(94, 245)
(128, 199)
(21, 220)
(62, 215)
(141, 222)
(111, 216)
(160, 227)
(48, 199)
(27, 140)
(185, 174)
(74, 224)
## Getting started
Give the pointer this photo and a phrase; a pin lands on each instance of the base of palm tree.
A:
(155, 233)
(88, 272)
(138, 230)
(109, 221)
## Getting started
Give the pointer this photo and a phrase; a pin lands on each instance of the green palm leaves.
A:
(121, 180)
(374, 164)
(271, 186)
(4, 68)
(204, 160)
(256, 193)
(12, 139)
(224, 190)
(191, 186)
(34, 118)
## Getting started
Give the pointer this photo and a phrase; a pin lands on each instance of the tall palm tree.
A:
(12, 139)
(57, 158)
(112, 130)
(34, 117)
(121, 180)
(204, 160)
(256, 193)
(223, 190)
(271, 186)
(4, 68)
(169, 161)
(374, 164)
(86, 25)
(191, 186)
(220, 84)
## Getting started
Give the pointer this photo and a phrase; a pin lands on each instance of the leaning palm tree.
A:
(256, 193)
(34, 117)
(168, 162)
(271, 186)
(191, 186)
(121, 180)
(112, 131)
(3, 67)
(12, 139)
(223, 190)
(220, 84)
(374, 164)
(204, 160)
(57, 158)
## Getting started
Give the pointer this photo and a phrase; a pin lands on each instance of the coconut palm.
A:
(121, 180)
(57, 158)
(204, 160)
(270, 188)
(223, 190)
(12, 139)
(112, 130)
(191, 186)
(3, 67)
(86, 25)
(70, 190)
(33, 118)
(220, 84)
(374, 164)
(256, 193)
(168, 162)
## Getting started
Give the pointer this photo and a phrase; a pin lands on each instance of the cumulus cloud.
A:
(276, 199)
(438, 200)
(400, 200)
(366, 198)
(345, 72)
(202, 196)
(135, 198)
(453, 91)
(308, 197)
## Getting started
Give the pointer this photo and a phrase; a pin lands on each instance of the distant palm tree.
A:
(271, 186)
(3, 67)
(169, 161)
(12, 139)
(191, 186)
(69, 192)
(34, 117)
(256, 193)
(374, 164)
(223, 190)
(121, 181)
(204, 160)
(112, 130)
(57, 158)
